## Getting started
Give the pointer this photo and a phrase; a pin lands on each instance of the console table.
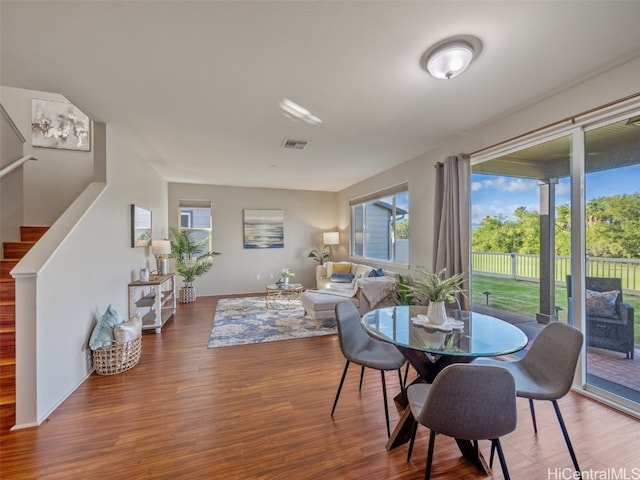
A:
(154, 301)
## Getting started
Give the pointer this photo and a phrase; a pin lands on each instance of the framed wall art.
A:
(59, 125)
(263, 229)
(140, 226)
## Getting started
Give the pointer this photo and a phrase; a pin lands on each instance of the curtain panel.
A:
(452, 218)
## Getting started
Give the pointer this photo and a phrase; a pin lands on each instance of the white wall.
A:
(11, 184)
(306, 215)
(58, 177)
(419, 172)
(80, 266)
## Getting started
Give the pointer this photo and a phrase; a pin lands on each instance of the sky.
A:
(492, 195)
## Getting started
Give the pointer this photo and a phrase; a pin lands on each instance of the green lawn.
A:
(522, 297)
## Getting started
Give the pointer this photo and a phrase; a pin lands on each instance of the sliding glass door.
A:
(612, 238)
(556, 237)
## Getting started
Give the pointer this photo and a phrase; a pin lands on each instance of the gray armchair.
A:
(615, 332)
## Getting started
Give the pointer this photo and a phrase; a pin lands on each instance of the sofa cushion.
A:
(102, 334)
(341, 267)
(376, 272)
(360, 271)
(602, 304)
(129, 330)
(342, 277)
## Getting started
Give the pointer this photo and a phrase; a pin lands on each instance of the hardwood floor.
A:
(263, 412)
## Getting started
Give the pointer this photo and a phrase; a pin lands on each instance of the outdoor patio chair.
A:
(609, 321)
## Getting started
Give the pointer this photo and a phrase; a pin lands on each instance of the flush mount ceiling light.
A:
(291, 109)
(449, 58)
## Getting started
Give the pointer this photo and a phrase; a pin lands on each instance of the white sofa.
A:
(364, 291)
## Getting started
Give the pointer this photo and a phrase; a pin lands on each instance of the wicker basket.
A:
(117, 358)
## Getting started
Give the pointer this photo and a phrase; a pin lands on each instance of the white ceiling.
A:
(196, 85)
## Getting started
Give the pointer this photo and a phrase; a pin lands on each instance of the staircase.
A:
(12, 253)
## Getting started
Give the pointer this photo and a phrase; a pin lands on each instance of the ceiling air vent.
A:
(295, 144)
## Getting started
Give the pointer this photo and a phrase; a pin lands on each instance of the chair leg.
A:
(503, 463)
(533, 415)
(566, 437)
(432, 441)
(386, 406)
(414, 429)
(493, 450)
(361, 377)
(403, 391)
(344, 374)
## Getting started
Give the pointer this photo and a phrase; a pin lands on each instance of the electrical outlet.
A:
(271, 276)
(257, 276)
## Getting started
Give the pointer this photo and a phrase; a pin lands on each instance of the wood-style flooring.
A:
(263, 412)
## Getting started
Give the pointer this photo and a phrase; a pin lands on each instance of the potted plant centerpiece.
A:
(436, 289)
(285, 275)
(192, 260)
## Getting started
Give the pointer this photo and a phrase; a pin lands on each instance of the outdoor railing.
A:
(527, 267)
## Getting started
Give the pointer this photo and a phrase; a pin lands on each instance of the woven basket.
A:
(117, 358)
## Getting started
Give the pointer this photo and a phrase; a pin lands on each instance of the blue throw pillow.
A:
(342, 277)
(377, 272)
(102, 335)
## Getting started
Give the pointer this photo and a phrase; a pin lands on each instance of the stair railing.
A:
(16, 164)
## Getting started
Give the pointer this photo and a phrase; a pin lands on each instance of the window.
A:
(380, 225)
(195, 215)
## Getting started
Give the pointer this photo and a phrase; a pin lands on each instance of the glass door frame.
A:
(577, 167)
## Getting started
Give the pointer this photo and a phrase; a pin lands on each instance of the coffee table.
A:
(280, 296)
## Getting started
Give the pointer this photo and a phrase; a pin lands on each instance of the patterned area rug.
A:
(245, 320)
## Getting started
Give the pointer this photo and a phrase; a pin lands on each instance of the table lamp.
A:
(161, 248)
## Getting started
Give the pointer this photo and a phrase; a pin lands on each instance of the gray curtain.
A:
(452, 222)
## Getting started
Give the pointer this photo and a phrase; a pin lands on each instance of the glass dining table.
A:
(429, 348)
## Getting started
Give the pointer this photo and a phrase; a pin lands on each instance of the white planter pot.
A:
(436, 313)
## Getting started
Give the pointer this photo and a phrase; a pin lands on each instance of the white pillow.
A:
(129, 330)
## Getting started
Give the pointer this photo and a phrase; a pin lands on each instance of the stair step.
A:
(7, 343)
(7, 314)
(7, 375)
(7, 290)
(16, 249)
(29, 233)
(6, 265)
(8, 395)
(7, 416)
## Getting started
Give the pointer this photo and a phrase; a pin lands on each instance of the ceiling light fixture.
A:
(292, 110)
(449, 58)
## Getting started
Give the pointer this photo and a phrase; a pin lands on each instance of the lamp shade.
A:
(160, 247)
(331, 238)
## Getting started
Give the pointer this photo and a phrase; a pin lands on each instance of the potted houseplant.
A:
(321, 255)
(285, 274)
(192, 260)
(436, 289)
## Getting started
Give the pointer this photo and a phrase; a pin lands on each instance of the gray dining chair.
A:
(468, 402)
(358, 347)
(546, 371)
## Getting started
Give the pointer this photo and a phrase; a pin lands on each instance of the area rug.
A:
(245, 320)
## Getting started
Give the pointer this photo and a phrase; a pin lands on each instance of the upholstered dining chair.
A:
(358, 347)
(546, 371)
(467, 402)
